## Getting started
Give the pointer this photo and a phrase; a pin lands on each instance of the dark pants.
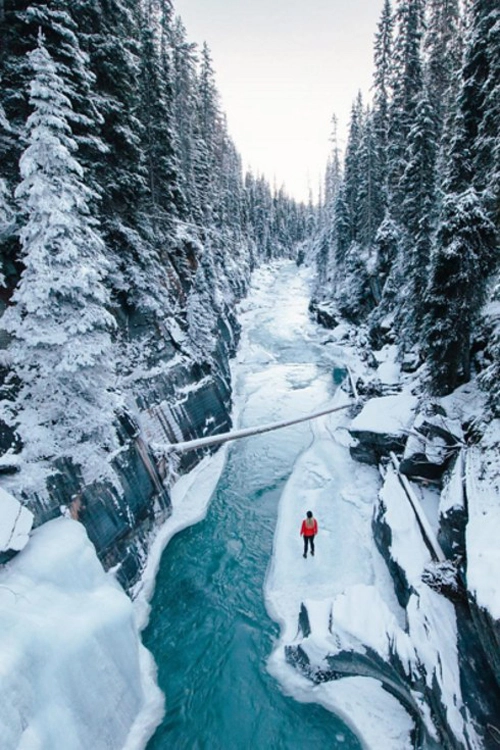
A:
(308, 540)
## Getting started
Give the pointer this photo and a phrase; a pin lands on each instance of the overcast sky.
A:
(283, 68)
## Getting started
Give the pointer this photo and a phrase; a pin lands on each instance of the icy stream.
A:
(209, 630)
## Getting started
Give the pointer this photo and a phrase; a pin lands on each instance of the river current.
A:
(209, 631)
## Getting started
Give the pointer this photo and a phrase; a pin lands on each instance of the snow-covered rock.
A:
(16, 522)
(431, 618)
(382, 426)
(433, 441)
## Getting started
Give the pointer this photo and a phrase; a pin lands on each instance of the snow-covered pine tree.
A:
(358, 211)
(466, 250)
(19, 30)
(324, 243)
(184, 59)
(418, 217)
(231, 190)
(481, 100)
(490, 377)
(461, 262)
(352, 168)
(163, 195)
(443, 45)
(208, 133)
(383, 58)
(370, 192)
(407, 87)
(333, 174)
(342, 230)
(64, 404)
(5, 203)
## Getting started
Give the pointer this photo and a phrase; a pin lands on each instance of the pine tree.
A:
(156, 116)
(342, 229)
(326, 256)
(407, 88)
(19, 31)
(466, 253)
(383, 57)
(370, 192)
(418, 218)
(6, 213)
(444, 48)
(61, 350)
(352, 169)
(480, 100)
(184, 60)
(461, 262)
(208, 139)
(490, 377)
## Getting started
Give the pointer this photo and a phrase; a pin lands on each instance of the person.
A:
(309, 530)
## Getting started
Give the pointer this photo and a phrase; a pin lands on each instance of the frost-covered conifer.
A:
(460, 264)
(466, 251)
(383, 58)
(407, 87)
(418, 217)
(443, 44)
(61, 351)
(5, 207)
(480, 100)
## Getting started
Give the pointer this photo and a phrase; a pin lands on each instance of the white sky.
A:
(283, 68)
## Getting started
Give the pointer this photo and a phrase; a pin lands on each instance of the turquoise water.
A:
(209, 630)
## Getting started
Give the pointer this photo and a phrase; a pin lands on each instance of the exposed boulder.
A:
(433, 442)
(382, 426)
(327, 315)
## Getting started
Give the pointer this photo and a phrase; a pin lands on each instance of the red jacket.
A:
(311, 530)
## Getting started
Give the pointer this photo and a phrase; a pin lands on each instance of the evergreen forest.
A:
(125, 216)
(408, 228)
(127, 226)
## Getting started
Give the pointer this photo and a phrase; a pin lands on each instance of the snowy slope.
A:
(74, 674)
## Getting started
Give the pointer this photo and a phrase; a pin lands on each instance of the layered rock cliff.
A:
(175, 382)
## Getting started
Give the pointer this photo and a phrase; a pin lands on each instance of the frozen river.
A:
(209, 630)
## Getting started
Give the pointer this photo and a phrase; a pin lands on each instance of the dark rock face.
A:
(325, 314)
(179, 395)
(382, 534)
(479, 668)
(488, 631)
(372, 447)
(478, 635)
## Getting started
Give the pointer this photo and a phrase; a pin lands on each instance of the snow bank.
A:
(389, 369)
(74, 674)
(390, 415)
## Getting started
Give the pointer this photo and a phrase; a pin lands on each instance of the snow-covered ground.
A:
(73, 672)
